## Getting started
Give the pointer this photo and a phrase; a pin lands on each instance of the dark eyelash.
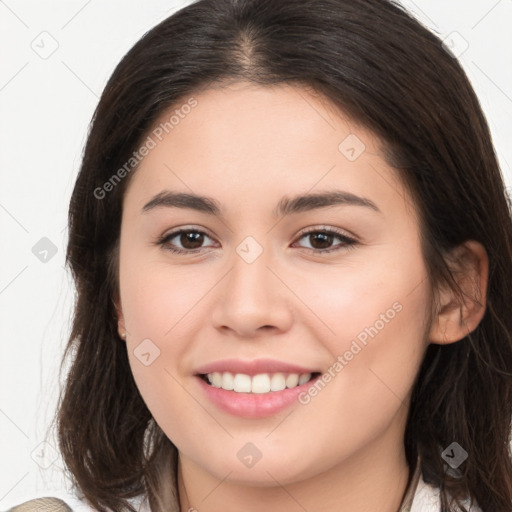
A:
(348, 243)
(163, 241)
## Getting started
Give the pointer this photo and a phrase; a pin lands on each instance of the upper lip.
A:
(252, 367)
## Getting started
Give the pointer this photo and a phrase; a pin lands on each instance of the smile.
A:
(257, 384)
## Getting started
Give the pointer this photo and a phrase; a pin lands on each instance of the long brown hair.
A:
(382, 67)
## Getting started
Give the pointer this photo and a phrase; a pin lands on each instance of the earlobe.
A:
(459, 316)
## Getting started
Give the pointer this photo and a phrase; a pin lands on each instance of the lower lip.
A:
(253, 405)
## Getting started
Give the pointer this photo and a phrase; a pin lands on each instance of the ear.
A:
(121, 328)
(455, 319)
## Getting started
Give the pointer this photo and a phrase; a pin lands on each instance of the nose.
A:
(252, 300)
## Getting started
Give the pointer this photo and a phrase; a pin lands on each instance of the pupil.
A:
(325, 240)
(190, 238)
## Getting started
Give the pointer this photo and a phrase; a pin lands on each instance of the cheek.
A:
(373, 325)
(371, 319)
(159, 299)
(381, 297)
(161, 306)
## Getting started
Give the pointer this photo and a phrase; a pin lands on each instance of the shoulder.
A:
(62, 503)
(65, 502)
(45, 504)
(427, 499)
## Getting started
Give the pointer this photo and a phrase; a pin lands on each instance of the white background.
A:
(46, 105)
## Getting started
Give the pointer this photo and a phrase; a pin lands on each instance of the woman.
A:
(292, 251)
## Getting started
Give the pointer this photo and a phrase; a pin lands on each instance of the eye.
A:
(191, 241)
(320, 240)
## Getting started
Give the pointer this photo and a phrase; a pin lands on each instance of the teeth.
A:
(292, 380)
(304, 378)
(228, 381)
(242, 383)
(261, 383)
(278, 382)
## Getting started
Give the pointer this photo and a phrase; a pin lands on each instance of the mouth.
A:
(254, 388)
(260, 384)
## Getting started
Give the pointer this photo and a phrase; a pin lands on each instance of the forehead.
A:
(243, 142)
(243, 117)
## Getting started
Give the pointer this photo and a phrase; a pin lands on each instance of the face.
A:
(268, 289)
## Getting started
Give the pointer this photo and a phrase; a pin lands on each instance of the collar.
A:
(411, 489)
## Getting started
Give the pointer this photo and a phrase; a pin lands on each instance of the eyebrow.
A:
(286, 206)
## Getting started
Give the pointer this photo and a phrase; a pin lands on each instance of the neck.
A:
(375, 478)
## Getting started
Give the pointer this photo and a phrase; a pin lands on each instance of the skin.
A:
(247, 147)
